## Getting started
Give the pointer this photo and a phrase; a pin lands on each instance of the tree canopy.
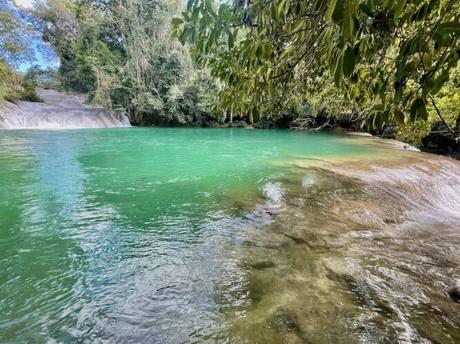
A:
(389, 58)
(15, 48)
(15, 39)
(122, 53)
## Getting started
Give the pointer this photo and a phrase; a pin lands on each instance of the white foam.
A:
(274, 194)
(58, 111)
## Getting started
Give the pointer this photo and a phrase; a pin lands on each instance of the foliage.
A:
(14, 49)
(448, 102)
(60, 30)
(14, 36)
(35, 78)
(17, 86)
(29, 92)
(389, 58)
(10, 84)
(121, 52)
(448, 98)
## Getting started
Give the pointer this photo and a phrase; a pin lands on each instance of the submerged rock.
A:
(297, 240)
(284, 320)
(262, 265)
(454, 291)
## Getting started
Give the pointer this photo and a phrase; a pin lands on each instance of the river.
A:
(138, 235)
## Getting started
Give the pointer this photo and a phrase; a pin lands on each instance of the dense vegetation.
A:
(394, 61)
(122, 53)
(14, 49)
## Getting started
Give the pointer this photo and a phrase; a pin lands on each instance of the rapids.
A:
(58, 111)
(232, 236)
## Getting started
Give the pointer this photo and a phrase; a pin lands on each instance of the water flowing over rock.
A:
(58, 111)
(371, 243)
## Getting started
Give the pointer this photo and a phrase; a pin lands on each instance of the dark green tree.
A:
(388, 57)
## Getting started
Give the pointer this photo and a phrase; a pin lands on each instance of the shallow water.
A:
(188, 235)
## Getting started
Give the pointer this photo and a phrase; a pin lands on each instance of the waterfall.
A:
(58, 111)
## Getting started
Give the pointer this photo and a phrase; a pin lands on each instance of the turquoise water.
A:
(125, 234)
(145, 235)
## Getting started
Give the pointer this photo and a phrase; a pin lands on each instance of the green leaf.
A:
(299, 26)
(330, 10)
(355, 92)
(382, 90)
(222, 10)
(190, 4)
(418, 110)
(267, 49)
(378, 107)
(338, 71)
(450, 27)
(400, 68)
(195, 14)
(363, 45)
(410, 46)
(348, 20)
(439, 81)
(337, 15)
(348, 62)
(286, 52)
(182, 37)
(210, 8)
(279, 8)
(177, 21)
(442, 34)
(398, 8)
(270, 88)
(441, 37)
(230, 40)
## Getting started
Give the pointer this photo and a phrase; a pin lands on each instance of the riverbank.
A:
(438, 141)
(60, 110)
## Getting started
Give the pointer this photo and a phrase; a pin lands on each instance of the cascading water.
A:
(58, 111)
(381, 238)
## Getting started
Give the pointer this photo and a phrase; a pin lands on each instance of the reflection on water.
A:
(280, 238)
